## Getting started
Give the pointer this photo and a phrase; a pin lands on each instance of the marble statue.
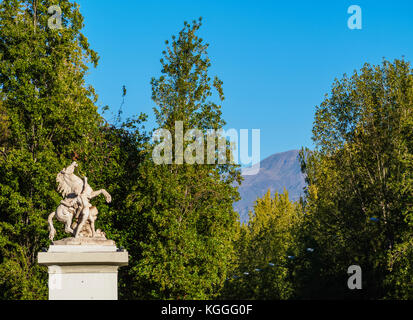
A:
(75, 210)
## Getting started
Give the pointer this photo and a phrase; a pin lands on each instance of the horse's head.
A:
(68, 182)
(70, 169)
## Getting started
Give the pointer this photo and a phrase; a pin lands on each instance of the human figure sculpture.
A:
(77, 194)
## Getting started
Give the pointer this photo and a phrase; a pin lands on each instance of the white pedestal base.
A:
(83, 272)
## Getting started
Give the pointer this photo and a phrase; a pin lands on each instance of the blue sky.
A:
(277, 59)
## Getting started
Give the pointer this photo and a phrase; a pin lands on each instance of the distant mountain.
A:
(278, 171)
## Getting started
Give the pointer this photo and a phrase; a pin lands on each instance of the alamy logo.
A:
(216, 145)
(354, 282)
(354, 21)
(55, 21)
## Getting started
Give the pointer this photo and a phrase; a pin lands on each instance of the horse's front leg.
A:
(108, 197)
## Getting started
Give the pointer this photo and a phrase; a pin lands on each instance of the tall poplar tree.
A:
(187, 219)
(360, 187)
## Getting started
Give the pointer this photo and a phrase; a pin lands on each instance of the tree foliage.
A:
(359, 178)
(265, 249)
(185, 221)
(50, 116)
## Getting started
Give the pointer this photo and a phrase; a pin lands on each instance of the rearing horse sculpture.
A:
(76, 193)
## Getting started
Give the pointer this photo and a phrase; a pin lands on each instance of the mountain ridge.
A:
(278, 171)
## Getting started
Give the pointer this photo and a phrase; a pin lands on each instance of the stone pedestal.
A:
(83, 271)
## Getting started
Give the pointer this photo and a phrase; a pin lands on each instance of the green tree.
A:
(399, 282)
(51, 118)
(266, 250)
(359, 195)
(182, 216)
(4, 127)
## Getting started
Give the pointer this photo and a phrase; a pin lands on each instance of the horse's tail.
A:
(52, 230)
